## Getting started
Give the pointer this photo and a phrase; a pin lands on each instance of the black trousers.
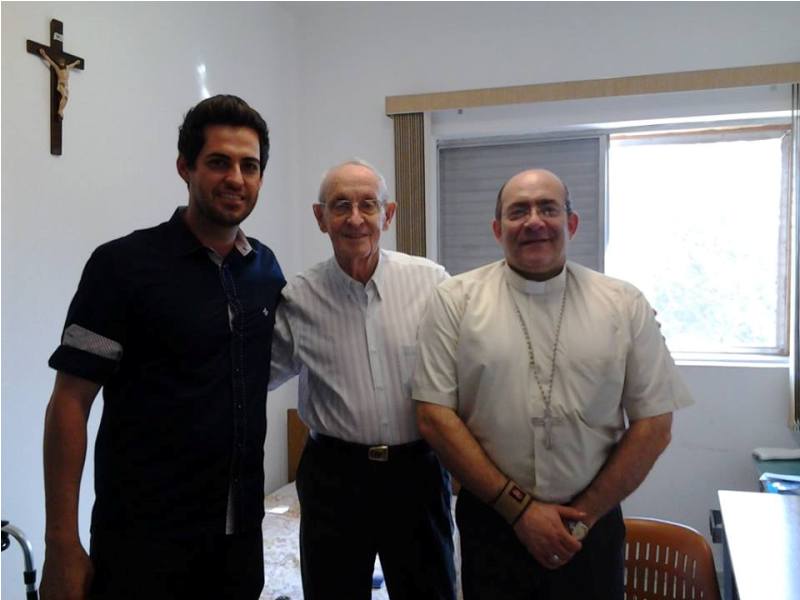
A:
(194, 568)
(495, 565)
(352, 508)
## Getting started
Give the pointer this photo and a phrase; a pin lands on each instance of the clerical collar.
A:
(535, 288)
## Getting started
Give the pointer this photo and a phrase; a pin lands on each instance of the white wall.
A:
(354, 55)
(117, 173)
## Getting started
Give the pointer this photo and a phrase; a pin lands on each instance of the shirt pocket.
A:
(594, 372)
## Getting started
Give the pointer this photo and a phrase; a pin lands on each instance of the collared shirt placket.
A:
(375, 349)
(238, 387)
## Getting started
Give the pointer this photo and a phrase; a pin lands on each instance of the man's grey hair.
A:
(383, 191)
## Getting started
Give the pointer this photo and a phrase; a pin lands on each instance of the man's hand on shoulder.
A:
(542, 531)
(67, 572)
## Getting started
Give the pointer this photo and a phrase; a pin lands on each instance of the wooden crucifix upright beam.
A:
(59, 63)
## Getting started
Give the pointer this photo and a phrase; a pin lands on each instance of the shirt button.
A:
(239, 405)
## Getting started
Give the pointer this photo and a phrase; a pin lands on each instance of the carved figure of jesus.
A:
(62, 75)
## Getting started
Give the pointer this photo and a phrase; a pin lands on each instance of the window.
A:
(698, 220)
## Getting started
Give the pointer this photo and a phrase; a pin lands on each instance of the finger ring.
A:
(555, 558)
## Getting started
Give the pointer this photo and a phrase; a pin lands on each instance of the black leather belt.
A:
(379, 453)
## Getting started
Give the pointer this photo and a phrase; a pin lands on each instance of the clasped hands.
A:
(543, 531)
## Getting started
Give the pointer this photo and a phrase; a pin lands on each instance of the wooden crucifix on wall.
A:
(59, 63)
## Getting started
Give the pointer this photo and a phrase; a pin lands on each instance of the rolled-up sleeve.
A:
(94, 335)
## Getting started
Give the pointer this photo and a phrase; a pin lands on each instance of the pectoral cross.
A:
(59, 63)
(547, 420)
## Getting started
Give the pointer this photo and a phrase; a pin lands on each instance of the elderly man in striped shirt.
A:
(367, 482)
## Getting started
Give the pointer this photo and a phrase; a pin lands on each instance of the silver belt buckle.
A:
(378, 453)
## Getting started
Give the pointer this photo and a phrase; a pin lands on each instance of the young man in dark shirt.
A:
(174, 323)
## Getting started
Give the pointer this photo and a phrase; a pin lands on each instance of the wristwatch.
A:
(578, 529)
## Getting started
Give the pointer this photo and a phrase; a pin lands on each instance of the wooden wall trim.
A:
(597, 88)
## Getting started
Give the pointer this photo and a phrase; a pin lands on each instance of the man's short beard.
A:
(221, 218)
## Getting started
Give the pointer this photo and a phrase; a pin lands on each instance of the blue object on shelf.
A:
(777, 483)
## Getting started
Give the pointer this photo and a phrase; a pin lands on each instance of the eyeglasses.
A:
(343, 208)
(543, 211)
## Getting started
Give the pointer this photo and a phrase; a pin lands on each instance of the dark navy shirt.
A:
(181, 346)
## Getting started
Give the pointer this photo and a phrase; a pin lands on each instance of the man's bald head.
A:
(498, 209)
(330, 174)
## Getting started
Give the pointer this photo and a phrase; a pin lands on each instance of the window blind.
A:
(471, 175)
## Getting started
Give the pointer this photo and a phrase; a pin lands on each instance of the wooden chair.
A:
(667, 560)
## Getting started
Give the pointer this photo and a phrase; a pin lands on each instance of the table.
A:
(762, 545)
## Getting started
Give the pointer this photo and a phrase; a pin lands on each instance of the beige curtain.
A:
(409, 172)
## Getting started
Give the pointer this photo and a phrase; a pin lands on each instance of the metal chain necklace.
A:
(547, 420)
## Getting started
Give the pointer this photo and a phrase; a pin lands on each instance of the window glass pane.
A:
(699, 226)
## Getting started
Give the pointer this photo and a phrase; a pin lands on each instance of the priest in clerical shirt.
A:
(525, 373)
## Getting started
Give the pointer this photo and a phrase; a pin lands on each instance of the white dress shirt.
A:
(611, 360)
(354, 346)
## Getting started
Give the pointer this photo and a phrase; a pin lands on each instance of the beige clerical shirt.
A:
(611, 360)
